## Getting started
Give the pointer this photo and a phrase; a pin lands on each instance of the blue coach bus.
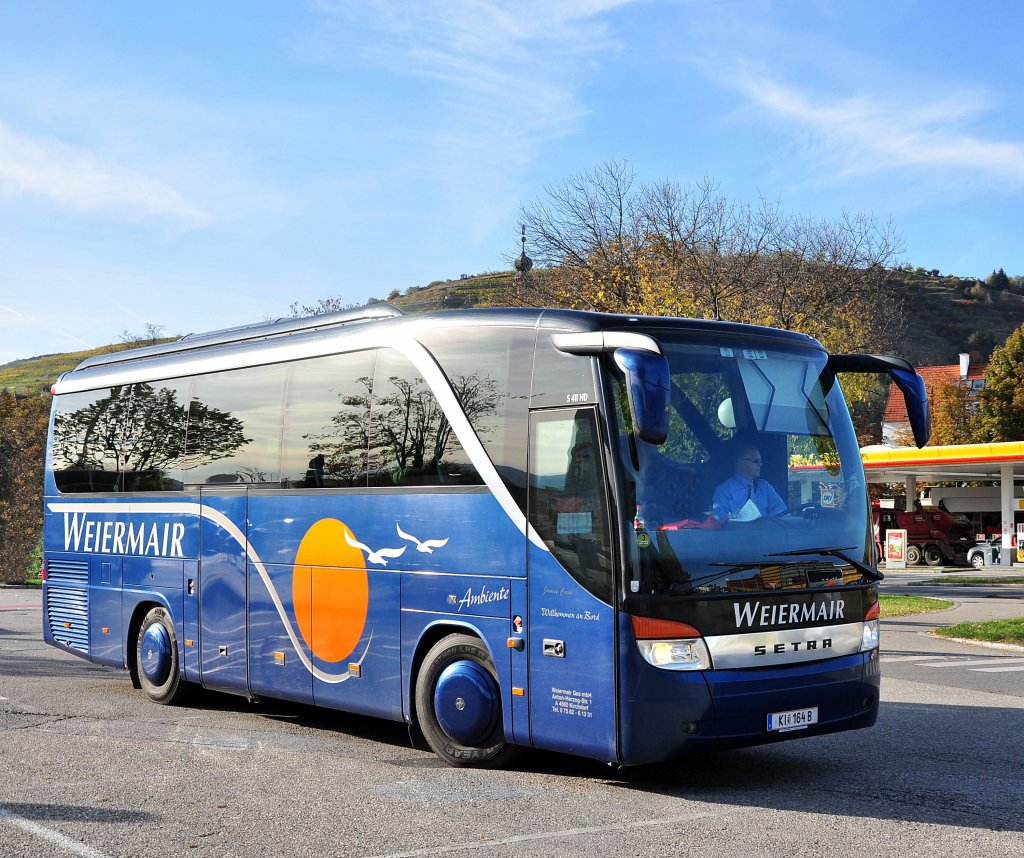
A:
(504, 526)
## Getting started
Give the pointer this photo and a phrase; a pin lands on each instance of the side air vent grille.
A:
(67, 602)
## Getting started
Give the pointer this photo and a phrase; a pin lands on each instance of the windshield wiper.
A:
(863, 568)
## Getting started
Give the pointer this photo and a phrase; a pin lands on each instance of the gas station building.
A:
(999, 464)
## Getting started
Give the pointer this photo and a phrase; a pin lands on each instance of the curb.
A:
(989, 644)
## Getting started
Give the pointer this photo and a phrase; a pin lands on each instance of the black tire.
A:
(933, 555)
(913, 555)
(978, 560)
(491, 751)
(168, 688)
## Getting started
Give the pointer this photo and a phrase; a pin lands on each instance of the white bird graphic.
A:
(379, 557)
(427, 546)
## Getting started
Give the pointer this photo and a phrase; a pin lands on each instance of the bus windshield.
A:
(759, 484)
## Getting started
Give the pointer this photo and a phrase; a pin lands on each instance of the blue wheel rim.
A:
(155, 654)
(466, 702)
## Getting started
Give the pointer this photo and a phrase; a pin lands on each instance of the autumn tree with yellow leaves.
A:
(22, 453)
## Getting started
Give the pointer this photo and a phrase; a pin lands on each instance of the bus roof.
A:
(295, 338)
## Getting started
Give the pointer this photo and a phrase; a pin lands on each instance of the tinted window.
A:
(327, 415)
(411, 441)
(128, 438)
(561, 379)
(87, 438)
(489, 370)
(234, 427)
(155, 436)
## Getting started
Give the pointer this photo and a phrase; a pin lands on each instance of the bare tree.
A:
(150, 336)
(590, 232)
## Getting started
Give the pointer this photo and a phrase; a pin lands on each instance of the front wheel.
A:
(977, 560)
(458, 704)
(156, 655)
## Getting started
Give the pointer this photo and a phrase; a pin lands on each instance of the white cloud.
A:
(507, 77)
(74, 178)
(871, 134)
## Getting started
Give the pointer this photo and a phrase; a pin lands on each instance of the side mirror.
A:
(649, 389)
(904, 376)
(915, 394)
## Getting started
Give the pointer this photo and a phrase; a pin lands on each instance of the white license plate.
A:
(794, 719)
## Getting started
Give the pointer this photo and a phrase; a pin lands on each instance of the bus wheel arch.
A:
(139, 614)
(458, 703)
(155, 663)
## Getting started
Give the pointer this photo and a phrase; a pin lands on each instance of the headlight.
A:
(869, 636)
(688, 654)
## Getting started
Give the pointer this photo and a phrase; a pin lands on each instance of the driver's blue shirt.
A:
(731, 496)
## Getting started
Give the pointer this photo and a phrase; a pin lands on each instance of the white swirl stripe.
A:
(226, 524)
(439, 386)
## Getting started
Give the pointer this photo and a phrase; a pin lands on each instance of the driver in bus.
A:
(745, 496)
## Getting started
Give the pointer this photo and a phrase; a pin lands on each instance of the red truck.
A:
(934, 534)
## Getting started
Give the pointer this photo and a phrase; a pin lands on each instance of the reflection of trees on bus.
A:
(399, 433)
(135, 437)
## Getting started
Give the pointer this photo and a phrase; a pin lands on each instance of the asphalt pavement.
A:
(973, 603)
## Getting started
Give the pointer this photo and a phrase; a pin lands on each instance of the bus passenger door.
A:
(571, 618)
(223, 590)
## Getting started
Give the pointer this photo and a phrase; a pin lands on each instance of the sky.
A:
(198, 165)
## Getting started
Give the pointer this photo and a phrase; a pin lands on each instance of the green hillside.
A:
(29, 376)
(35, 375)
(948, 315)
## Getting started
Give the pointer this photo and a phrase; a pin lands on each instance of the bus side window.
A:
(128, 438)
(326, 425)
(154, 439)
(411, 441)
(234, 427)
(568, 500)
(84, 431)
(491, 377)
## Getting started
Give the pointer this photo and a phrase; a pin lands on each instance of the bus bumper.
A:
(732, 711)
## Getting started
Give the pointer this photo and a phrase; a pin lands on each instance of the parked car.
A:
(985, 553)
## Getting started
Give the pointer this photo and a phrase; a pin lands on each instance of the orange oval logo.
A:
(330, 590)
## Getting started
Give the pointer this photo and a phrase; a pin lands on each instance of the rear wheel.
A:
(933, 555)
(913, 555)
(156, 657)
(458, 704)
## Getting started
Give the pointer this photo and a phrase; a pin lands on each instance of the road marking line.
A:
(972, 662)
(1018, 668)
(55, 837)
(547, 835)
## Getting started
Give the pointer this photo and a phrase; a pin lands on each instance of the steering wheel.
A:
(807, 510)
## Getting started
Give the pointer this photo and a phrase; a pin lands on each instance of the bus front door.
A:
(223, 590)
(571, 618)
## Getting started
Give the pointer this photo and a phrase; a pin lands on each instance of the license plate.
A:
(794, 719)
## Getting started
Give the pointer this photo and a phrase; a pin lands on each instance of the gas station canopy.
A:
(961, 462)
(1000, 463)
